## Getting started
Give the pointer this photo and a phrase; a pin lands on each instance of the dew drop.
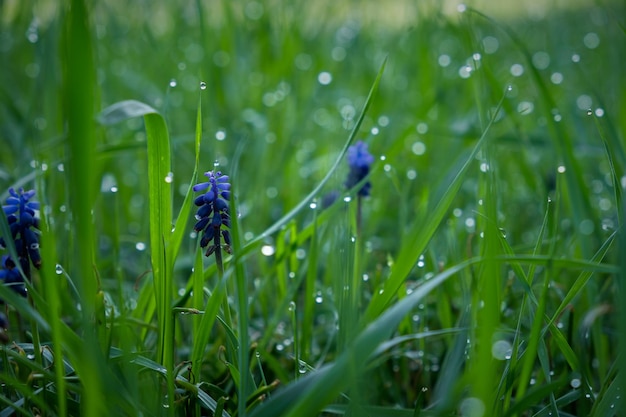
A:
(472, 407)
(347, 199)
(501, 350)
(169, 178)
(292, 306)
(220, 135)
(589, 112)
(202, 85)
(324, 78)
(268, 250)
(313, 205)
(172, 83)
(140, 246)
(58, 269)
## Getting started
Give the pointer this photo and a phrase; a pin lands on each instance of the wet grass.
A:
(481, 277)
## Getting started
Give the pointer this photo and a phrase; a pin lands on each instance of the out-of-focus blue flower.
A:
(213, 211)
(359, 161)
(20, 211)
(10, 276)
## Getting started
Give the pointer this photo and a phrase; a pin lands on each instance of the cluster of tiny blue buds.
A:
(213, 212)
(20, 212)
(359, 162)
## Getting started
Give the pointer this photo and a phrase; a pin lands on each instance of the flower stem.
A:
(220, 275)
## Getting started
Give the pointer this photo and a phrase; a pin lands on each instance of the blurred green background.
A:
(285, 81)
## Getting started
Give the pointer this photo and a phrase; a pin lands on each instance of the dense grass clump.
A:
(312, 208)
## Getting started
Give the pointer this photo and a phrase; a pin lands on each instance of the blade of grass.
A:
(311, 393)
(419, 234)
(163, 244)
(79, 99)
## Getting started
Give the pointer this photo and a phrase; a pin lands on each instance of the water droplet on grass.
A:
(173, 83)
(202, 85)
(556, 78)
(517, 70)
(501, 350)
(324, 78)
(140, 246)
(591, 40)
(472, 407)
(58, 269)
(268, 250)
(169, 178)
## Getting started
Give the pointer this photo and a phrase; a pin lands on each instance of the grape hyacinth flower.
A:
(213, 212)
(359, 161)
(10, 276)
(20, 212)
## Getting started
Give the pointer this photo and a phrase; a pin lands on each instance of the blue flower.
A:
(213, 211)
(359, 162)
(24, 226)
(10, 276)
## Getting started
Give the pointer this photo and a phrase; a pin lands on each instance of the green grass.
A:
(481, 277)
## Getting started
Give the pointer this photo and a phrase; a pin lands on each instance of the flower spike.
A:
(359, 161)
(213, 212)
